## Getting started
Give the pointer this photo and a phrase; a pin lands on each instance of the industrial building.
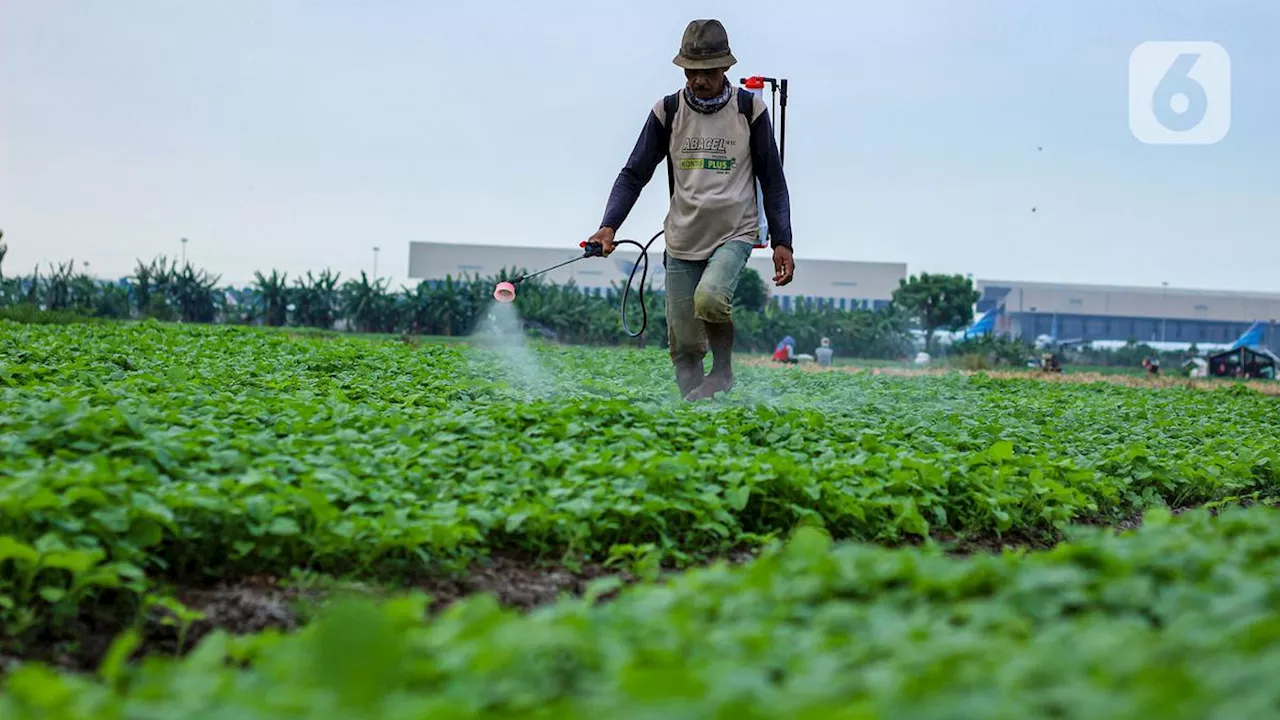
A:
(1146, 314)
(837, 283)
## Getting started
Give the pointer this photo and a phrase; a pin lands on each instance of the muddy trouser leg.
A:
(713, 305)
(686, 336)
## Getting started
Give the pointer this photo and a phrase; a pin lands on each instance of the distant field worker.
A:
(824, 352)
(718, 141)
(786, 350)
(1152, 365)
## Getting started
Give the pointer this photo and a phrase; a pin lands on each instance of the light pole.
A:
(184, 252)
(1164, 309)
(375, 263)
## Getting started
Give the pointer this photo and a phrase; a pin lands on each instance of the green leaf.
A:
(284, 526)
(10, 548)
(809, 543)
(114, 518)
(1001, 451)
(75, 561)
(600, 587)
(114, 662)
(738, 497)
(515, 520)
(145, 533)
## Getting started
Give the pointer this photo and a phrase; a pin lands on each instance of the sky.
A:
(292, 135)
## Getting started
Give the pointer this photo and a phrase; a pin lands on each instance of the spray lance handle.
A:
(591, 249)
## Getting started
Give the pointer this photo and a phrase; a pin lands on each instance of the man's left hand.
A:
(784, 265)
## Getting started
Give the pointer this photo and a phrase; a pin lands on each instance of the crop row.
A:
(1178, 620)
(142, 452)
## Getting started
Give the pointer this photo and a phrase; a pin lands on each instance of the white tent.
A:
(1196, 367)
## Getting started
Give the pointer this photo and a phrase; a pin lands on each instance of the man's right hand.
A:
(603, 236)
(784, 265)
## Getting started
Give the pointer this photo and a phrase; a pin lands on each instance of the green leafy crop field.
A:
(145, 466)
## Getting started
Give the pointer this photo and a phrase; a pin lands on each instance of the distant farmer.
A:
(786, 350)
(824, 352)
(1152, 365)
(717, 140)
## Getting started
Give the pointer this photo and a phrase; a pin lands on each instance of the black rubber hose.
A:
(644, 276)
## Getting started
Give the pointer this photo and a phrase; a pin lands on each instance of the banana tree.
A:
(193, 292)
(316, 300)
(57, 287)
(112, 301)
(445, 308)
(273, 296)
(416, 314)
(150, 289)
(32, 295)
(85, 294)
(368, 306)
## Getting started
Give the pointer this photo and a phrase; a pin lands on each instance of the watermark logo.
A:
(1179, 92)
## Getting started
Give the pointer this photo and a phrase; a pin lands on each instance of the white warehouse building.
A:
(842, 283)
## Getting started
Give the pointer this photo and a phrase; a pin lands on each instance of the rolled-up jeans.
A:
(701, 291)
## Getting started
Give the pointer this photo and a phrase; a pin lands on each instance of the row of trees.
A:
(165, 290)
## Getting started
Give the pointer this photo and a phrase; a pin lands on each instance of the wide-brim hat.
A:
(705, 46)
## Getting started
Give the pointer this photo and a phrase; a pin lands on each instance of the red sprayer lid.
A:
(754, 83)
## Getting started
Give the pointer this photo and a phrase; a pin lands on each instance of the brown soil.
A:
(255, 604)
(250, 605)
(517, 582)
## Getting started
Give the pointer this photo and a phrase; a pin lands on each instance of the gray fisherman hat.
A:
(705, 46)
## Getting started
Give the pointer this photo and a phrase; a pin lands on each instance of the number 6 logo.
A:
(1179, 93)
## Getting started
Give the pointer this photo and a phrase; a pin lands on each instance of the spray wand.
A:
(505, 292)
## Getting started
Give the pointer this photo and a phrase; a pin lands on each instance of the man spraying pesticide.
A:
(718, 143)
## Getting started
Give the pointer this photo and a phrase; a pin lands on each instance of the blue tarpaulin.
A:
(983, 325)
(1251, 338)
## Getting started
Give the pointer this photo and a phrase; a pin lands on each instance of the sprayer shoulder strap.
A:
(670, 105)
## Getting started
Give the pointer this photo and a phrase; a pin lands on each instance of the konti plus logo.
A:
(716, 145)
(719, 165)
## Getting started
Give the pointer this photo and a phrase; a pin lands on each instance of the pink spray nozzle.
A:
(505, 292)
